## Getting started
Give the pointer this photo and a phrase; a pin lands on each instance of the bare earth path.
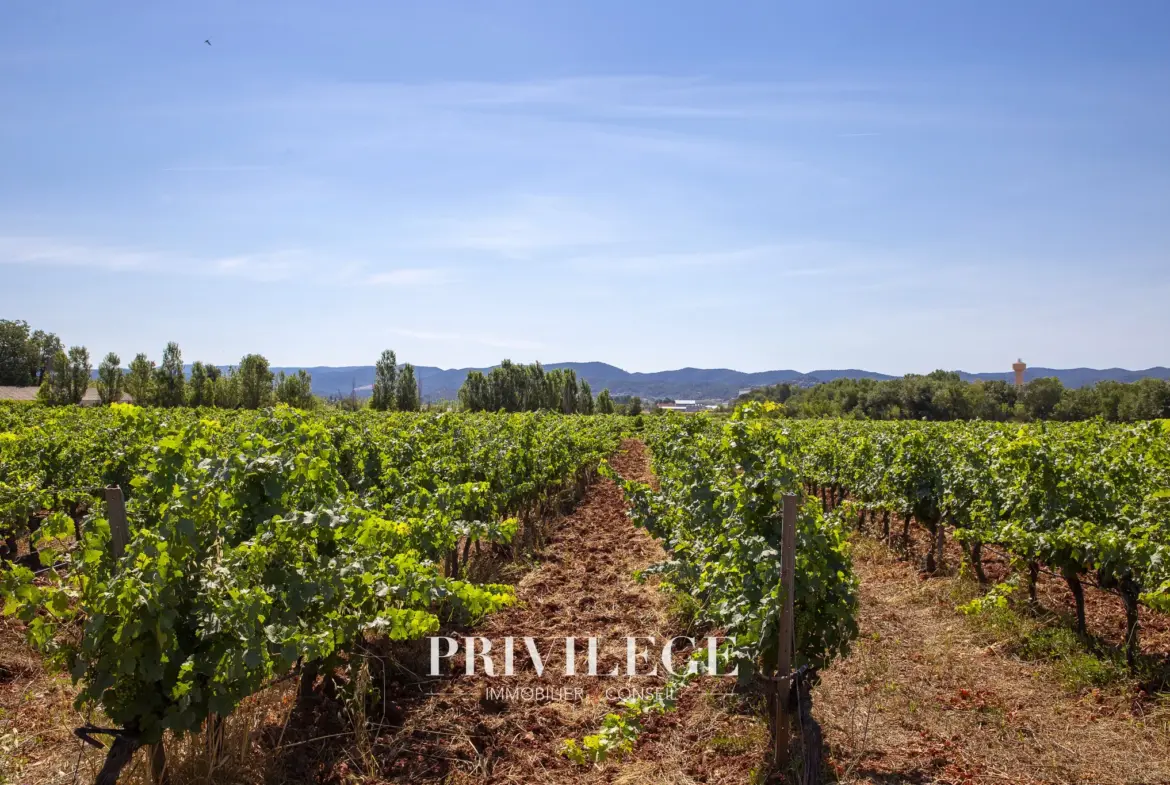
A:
(584, 586)
(924, 698)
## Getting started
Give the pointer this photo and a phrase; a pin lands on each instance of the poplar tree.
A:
(385, 382)
(140, 380)
(406, 396)
(67, 378)
(295, 389)
(109, 381)
(605, 403)
(255, 382)
(198, 387)
(585, 398)
(168, 378)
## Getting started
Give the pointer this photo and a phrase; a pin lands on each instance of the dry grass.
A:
(929, 696)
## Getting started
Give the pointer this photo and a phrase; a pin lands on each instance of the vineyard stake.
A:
(158, 764)
(784, 650)
(116, 512)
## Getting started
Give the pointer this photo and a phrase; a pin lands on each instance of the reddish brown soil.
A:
(1104, 612)
(928, 695)
(584, 586)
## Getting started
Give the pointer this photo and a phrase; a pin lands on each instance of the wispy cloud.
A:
(409, 276)
(787, 260)
(527, 226)
(519, 344)
(267, 267)
(47, 251)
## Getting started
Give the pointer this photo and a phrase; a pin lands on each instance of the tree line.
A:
(38, 358)
(516, 387)
(943, 395)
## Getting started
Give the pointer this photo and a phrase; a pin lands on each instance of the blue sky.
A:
(897, 186)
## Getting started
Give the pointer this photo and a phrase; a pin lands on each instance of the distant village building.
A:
(686, 405)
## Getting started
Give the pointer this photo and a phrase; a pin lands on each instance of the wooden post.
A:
(787, 612)
(116, 513)
(158, 764)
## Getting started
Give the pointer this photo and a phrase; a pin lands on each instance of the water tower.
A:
(1018, 366)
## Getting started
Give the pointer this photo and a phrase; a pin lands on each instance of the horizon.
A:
(1008, 372)
(447, 369)
(839, 186)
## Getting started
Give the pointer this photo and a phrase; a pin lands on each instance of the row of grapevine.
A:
(1086, 500)
(260, 540)
(718, 513)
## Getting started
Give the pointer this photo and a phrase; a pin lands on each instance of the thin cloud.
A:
(416, 276)
(800, 259)
(518, 344)
(527, 227)
(265, 267)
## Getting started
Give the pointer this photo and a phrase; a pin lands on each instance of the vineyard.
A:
(260, 542)
(263, 545)
(1090, 501)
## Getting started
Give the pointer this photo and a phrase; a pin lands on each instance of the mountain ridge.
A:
(709, 383)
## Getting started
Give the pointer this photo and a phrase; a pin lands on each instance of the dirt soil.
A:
(925, 697)
(584, 586)
(1104, 611)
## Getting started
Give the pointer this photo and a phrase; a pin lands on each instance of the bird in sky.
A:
(207, 41)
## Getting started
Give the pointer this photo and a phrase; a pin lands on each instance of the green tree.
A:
(43, 348)
(1110, 395)
(1080, 403)
(140, 380)
(109, 381)
(80, 372)
(407, 398)
(18, 356)
(997, 400)
(634, 408)
(67, 379)
(605, 403)
(54, 389)
(1041, 397)
(296, 390)
(385, 382)
(199, 391)
(255, 382)
(509, 388)
(585, 398)
(225, 388)
(568, 403)
(169, 382)
(475, 392)
(1148, 399)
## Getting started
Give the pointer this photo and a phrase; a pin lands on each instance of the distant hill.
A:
(712, 383)
(440, 384)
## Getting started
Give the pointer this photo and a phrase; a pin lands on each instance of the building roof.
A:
(30, 394)
(18, 393)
